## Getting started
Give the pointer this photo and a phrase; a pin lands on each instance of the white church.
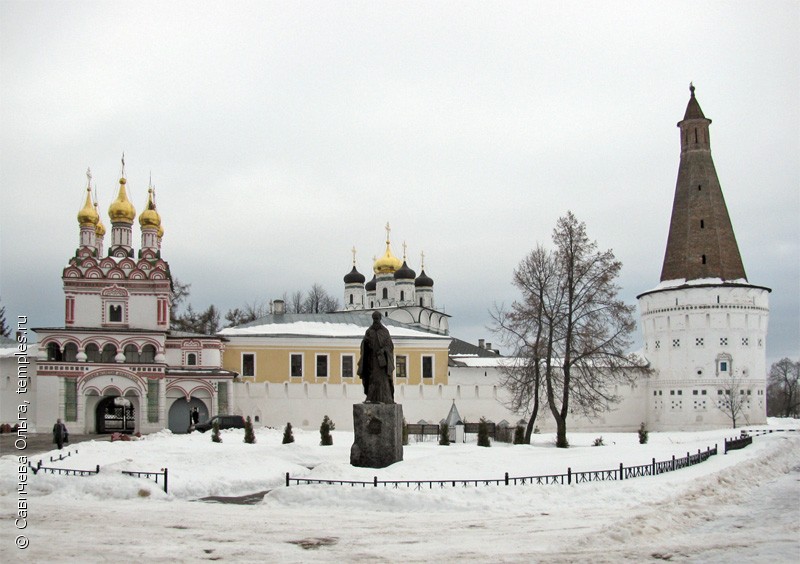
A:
(115, 365)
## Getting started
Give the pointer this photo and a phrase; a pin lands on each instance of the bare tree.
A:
(733, 400)
(247, 313)
(319, 301)
(571, 329)
(295, 303)
(5, 331)
(783, 389)
(180, 293)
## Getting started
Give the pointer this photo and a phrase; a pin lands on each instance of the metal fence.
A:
(570, 477)
(155, 476)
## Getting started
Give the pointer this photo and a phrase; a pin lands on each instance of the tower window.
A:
(385, 293)
(699, 187)
(351, 299)
(702, 224)
(402, 295)
(191, 359)
(704, 259)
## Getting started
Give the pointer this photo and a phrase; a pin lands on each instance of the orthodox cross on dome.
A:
(388, 231)
(691, 88)
(422, 260)
(353, 250)
(89, 177)
(404, 250)
(122, 172)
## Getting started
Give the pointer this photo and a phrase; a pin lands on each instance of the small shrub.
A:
(144, 493)
(325, 438)
(483, 433)
(5, 428)
(288, 437)
(444, 434)
(405, 432)
(519, 435)
(642, 434)
(536, 431)
(598, 442)
(249, 434)
(215, 432)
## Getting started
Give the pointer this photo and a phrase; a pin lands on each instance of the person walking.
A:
(60, 434)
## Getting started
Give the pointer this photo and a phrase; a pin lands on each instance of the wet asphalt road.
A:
(38, 443)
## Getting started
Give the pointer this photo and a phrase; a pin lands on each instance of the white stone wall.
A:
(700, 341)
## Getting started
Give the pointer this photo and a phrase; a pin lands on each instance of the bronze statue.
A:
(376, 364)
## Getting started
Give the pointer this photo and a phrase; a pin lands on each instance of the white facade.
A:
(705, 340)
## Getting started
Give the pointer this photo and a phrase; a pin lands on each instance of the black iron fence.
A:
(570, 477)
(155, 476)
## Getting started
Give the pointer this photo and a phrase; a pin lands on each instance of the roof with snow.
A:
(323, 325)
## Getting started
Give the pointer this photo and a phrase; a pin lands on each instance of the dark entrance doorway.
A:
(115, 415)
(180, 414)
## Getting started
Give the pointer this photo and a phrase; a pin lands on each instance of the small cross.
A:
(89, 176)
(422, 260)
(388, 230)
(123, 164)
(353, 250)
(404, 250)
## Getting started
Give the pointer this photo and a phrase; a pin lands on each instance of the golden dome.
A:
(149, 217)
(160, 231)
(122, 209)
(388, 263)
(88, 216)
(100, 229)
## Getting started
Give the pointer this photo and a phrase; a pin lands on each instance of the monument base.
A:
(378, 429)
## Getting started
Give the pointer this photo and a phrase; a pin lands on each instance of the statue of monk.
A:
(376, 364)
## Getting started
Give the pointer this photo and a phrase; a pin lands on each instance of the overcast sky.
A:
(280, 135)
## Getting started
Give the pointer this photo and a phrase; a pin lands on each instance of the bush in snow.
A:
(215, 432)
(642, 434)
(288, 437)
(325, 431)
(249, 435)
(519, 435)
(483, 433)
(444, 434)
(598, 441)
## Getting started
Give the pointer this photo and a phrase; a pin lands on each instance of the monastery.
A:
(116, 365)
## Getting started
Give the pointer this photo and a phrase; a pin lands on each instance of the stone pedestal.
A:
(378, 429)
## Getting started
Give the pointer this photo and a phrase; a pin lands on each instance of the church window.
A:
(191, 359)
(70, 399)
(152, 401)
(115, 313)
(347, 365)
(401, 366)
(248, 364)
(702, 224)
(385, 293)
(699, 187)
(322, 365)
(92, 353)
(402, 295)
(148, 355)
(108, 354)
(427, 366)
(296, 365)
(703, 258)
(131, 354)
(351, 299)
(71, 352)
(54, 352)
(420, 302)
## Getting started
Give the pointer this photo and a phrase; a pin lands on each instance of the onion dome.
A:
(388, 263)
(122, 210)
(99, 229)
(354, 277)
(371, 285)
(405, 273)
(423, 281)
(160, 231)
(149, 217)
(88, 216)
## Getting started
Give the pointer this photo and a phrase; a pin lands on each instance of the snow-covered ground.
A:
(744, 506)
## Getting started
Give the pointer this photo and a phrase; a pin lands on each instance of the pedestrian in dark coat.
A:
(60, 434)
(195, 416)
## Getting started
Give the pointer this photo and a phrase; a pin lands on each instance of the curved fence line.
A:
(622, 473)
